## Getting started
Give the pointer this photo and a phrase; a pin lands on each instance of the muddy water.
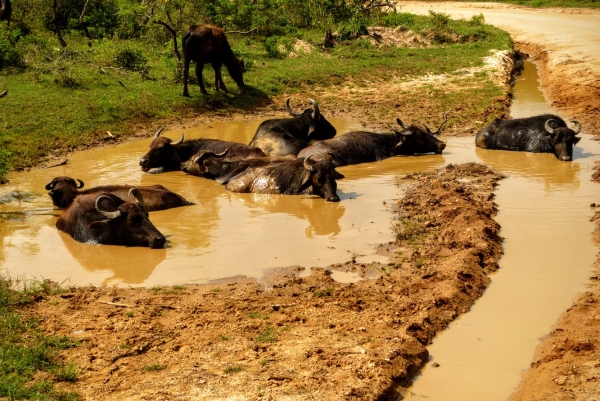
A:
(223, 235)
(544, 213)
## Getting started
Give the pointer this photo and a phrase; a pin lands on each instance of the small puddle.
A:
(548, 257)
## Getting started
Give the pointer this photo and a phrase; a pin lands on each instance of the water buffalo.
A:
(207, 44)
(211, 165)
(156, 197)
(284, 136)
(546, 133)
(104, 218)
(5, 11)
(314, 175)
(170, 155)
(361, 146)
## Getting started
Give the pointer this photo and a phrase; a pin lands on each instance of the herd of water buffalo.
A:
(289, 156)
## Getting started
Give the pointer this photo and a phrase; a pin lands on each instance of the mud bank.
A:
(291, 337)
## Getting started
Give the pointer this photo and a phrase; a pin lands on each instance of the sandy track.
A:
(563, 42)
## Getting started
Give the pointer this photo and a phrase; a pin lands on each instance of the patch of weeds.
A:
(123, 346)
(155, 367)
(5, 156)
(406, 229)
(67, 373)
(258, 315)
(268, 335)
(233, 369)
(365, 340)
(130, 313)
(179, 287)
(286, 328)
(419, 263)
(225, 338)
(215, 290)
(322, 292)
(155, 289)
(265, 362)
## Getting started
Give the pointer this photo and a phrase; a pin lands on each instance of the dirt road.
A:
(563, 42)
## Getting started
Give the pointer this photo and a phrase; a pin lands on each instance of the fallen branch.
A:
(243, 33)
(61, 163)
(133, 306)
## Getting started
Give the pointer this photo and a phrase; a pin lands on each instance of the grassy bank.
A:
(62, 98)
(29, 366)
(549, 3)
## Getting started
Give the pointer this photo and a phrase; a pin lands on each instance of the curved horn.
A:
(137, 194)
(108, 215)
(548, 127)
(179, 141)
(407, 133)
(289, 109)
(442, 124)
(80, 184)
(158, 132)
(577, 127)
(50, 186)
(399, 121)
(316, 114)
(308, 163)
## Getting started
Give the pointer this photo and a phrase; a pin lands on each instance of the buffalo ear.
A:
(338, 175)
(576, 139)
(98, 225)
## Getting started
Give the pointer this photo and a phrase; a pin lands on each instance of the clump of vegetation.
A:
(323, 292)
(233, 369)
(132, 59)
(155, 367)
(26, 351)
(4, 164)
(268, 335)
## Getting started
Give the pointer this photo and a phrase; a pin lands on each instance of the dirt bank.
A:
(294, 337)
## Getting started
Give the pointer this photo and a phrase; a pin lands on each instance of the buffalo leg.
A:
(186, 72)
(199, 68)
(219, 84)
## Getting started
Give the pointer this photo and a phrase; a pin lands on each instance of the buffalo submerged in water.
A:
(169, 155)
(546, 133)
(362, 146)
(104, 218)
(63, 190)
(314, 175)
(288, 136)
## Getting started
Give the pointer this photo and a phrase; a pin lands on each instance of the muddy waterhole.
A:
(543, 210)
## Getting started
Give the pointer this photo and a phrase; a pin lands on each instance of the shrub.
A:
(10, 56)
(397, 19)
(132, 59)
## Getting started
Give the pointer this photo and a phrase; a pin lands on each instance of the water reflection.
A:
(129, 265)
(323, 218)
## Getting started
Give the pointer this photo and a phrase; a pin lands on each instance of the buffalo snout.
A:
(144, 164)
(440, 148)
(333, 198)
(157, 242)
(566, 158)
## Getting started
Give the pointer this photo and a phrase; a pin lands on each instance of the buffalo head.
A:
(415, 139)
(562, 139)
(319, 127)
(128, 225)
(200, 164)
(162, 153)
(63, 190)
(323, 176)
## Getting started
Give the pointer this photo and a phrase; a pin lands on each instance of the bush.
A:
(132, 59)
(272, 47)
(100, 18)
(397, 19)
(10, 56)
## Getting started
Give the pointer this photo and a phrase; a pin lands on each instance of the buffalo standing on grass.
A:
(546, 133)
(362, 147)
(285, 136)
(206, 44)
(314, 175)
(104, 218)
(156, 197)
(169, 155)
(214, 166)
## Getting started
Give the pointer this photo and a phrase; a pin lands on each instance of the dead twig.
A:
(133, 306)
(4, 93)
(61, 163)
(243, 33)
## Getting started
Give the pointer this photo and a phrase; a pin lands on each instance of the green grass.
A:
(65, 99)
(155, 367)
(233, 369)
(323, 292)
(26, 352)
(268, 335)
